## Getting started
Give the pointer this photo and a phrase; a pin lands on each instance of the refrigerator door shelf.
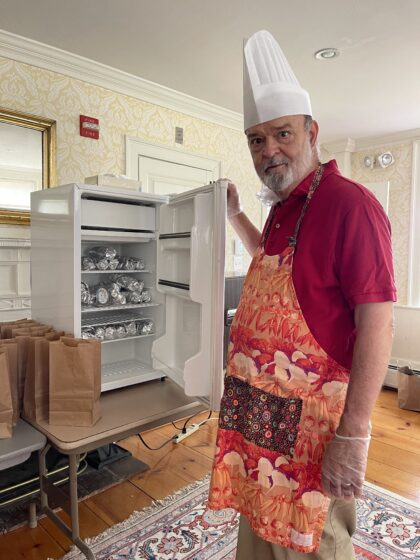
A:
(191, 274)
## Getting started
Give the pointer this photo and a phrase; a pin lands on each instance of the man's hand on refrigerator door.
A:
(233, 200)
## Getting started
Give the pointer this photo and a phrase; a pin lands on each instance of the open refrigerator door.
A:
(190, 272)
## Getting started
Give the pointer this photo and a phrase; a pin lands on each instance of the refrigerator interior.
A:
(181, 244)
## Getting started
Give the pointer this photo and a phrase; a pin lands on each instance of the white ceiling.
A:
(195, 47)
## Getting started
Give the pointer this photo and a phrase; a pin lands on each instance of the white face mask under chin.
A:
(267, 197)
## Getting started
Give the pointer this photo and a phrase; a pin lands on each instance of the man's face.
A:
(283, 152)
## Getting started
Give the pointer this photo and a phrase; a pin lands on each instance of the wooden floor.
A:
(394, 463)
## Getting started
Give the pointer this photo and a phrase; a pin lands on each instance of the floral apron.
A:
(282, 403)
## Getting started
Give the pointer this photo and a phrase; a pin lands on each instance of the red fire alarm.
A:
(89, 127)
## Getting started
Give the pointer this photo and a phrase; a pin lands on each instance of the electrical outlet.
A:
(179, 135)
(189, 430)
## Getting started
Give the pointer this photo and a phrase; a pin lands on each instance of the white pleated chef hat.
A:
(271, 89)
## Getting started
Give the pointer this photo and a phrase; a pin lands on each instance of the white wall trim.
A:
(396, 138)
(25, 50)
(414, 240)
(135, 146)
(344, 145)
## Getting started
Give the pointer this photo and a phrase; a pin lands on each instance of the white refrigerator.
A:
(180, 240)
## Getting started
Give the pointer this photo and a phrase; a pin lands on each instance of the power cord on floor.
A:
(176, 438)
(184, 428)
(172, 440)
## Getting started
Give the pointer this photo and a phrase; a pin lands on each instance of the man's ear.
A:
(313, 132)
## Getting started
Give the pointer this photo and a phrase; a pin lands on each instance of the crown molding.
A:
(395, 138)
(31, 52)
(339, 146)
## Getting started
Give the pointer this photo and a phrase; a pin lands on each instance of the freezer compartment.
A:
(113, 215)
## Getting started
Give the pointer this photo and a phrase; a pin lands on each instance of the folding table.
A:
(124, 412)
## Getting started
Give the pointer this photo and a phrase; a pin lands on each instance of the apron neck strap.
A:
(314, 185)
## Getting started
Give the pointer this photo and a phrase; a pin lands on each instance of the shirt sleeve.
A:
(364, 262)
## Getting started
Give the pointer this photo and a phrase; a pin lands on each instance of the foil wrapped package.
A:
(145, 327)
(120, 331)
(113, 264)
(131, 328)
(100, 333)
(88, 333)
(110, 332)
(146, 296)
(86, 297)
(88, 263)
(131, 263)
(101, 264)
(128, 282)
(102, 295)
(134, 297)
(102, 253)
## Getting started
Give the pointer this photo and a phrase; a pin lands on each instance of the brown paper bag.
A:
(6, 408)
(6, 327)
(12, 351)
(22, 342)
(35, 330)
(75, 382)
(36, 391)
(408, 389)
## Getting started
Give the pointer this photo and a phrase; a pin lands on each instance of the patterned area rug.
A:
(181, 528)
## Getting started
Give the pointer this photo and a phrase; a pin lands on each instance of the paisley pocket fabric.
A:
(262, 418)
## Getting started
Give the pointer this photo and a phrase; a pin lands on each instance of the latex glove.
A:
(233, 201)
(344, 466)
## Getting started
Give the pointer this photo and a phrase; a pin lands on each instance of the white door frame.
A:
(135, 147)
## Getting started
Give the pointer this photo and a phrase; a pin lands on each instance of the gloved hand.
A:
(233, 202)
(344, 466)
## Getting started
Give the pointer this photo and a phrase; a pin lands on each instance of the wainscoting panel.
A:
(15, 286)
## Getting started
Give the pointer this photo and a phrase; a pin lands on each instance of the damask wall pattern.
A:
(41, 92)
(399, 176)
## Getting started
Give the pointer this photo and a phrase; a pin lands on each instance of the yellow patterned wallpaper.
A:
(399, 176)
(41, 92)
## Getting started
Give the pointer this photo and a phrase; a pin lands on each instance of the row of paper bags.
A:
(47, 375)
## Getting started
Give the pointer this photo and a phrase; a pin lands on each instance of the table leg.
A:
(74, 506)
(33, 521)
(72, 533)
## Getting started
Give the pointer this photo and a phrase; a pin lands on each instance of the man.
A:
(311, 338)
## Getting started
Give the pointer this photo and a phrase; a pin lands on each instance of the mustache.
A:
(273, 162)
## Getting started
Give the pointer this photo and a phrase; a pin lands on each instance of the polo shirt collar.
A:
(303, 188)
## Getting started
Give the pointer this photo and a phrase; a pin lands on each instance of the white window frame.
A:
(414, 242)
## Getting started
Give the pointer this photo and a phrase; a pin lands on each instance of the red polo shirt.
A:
(343, 256)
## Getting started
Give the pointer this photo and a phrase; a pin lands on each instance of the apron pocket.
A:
(264, 419)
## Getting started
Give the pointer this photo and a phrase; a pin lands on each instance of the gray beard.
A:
(278, 182)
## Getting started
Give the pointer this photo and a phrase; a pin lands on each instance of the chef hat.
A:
(271, 89)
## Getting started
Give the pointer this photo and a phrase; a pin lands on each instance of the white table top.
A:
(18, 448)
(124, 412)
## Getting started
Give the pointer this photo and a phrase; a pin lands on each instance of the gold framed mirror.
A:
(27, 162)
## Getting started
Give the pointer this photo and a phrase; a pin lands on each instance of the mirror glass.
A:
(27, 162)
